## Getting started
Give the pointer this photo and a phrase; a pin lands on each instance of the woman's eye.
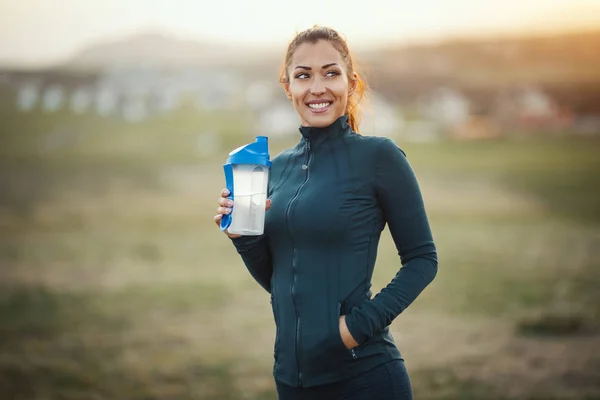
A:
(304, 75)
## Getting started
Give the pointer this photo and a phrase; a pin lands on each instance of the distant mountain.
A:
(161, 50)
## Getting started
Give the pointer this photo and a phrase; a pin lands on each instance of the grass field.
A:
(116, 284)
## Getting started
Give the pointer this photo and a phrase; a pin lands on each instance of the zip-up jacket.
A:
(332, 195)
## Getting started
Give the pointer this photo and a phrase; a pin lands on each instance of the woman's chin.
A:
(320, 121)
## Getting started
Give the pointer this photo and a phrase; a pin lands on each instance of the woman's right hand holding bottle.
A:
(225, 207)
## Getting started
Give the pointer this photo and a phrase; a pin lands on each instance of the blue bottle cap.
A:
(256, 153)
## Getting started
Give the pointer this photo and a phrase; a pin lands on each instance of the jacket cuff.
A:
(245, 242)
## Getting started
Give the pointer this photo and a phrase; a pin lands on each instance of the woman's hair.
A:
(313, 35)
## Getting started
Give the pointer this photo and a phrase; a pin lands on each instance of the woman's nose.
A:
(317, 87)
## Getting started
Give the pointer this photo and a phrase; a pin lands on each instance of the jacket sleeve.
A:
(400, 198)
(256, 255)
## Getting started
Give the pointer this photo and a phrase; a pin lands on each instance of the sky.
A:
(38, 32)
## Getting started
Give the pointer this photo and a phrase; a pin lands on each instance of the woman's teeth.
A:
(319, 105)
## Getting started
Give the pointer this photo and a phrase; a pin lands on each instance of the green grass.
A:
(443, 384)
(116, 284)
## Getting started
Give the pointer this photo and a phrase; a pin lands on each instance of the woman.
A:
(330, 197)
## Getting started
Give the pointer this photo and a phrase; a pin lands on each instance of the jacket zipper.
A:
(276, 334)
(294, 266)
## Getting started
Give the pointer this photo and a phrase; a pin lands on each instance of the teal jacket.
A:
(332, 195)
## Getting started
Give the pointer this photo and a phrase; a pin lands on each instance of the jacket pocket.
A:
(338, 334)
(349, 353)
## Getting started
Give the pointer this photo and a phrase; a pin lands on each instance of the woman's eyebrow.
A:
(309, 68)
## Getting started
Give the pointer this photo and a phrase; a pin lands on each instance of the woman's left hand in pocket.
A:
(347, 338)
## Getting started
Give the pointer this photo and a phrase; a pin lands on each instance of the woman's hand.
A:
(225, 206)
(346, 335)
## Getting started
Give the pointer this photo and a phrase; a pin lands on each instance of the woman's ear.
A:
(286, 88)
(352, 83)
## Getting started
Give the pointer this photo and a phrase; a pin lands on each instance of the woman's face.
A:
(318, 83)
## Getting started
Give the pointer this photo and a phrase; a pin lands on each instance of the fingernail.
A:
(229, 203)
(228, 210)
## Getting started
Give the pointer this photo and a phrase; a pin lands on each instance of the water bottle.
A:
(247, 177)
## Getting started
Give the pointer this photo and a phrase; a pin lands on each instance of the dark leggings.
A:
(389, 381)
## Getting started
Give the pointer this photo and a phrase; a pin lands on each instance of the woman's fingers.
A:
(225, 202)
(268, 204)
(223, 210)
(225, 205)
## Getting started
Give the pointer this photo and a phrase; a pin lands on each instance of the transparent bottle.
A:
(246, 177)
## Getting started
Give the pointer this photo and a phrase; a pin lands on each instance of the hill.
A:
(160, 50)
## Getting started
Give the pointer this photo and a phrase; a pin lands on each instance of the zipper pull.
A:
(354, 356)
(305, 166)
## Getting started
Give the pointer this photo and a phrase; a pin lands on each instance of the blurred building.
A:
(445, 106)
(133, 93)
(381, 118)
(528, 108)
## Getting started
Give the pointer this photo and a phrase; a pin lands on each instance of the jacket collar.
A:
(319, 135)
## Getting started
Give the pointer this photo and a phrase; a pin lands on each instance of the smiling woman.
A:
(330, 197)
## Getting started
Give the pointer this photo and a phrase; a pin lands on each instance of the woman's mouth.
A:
(319, 107)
